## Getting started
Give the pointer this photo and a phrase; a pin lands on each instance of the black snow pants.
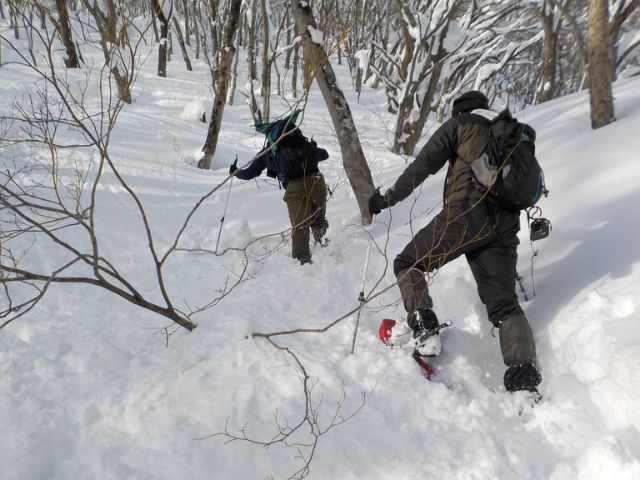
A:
(487, 236)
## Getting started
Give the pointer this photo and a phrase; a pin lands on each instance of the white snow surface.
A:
(90, 389)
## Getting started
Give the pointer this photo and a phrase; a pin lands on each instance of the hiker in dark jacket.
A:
(293, 160)
(469, 224)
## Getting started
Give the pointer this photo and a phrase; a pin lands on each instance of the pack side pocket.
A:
(484, 173)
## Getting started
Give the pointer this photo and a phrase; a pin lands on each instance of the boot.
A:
(319, 230)
(524, 376)
(426, 335)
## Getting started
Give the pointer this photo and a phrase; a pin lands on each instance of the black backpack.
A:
(297, 156)
(508, 169)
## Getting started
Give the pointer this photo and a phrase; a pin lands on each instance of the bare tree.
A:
(45, 210)
(623, 10)
(251, 40)
(316, 58)
(551, 24)
(13, 19)
(115, 57)
(221, 84)
(600, 66)
(64, 28)
(181, 42)
(265, 89)
(187, 23)
(163, 17)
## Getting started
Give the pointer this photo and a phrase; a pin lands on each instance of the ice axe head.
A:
(385, 330)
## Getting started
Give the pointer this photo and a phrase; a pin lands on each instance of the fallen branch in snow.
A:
(289, 436)
(432, 263)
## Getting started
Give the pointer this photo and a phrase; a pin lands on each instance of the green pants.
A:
(306, 199)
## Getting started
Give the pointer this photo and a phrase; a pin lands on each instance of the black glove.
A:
(233, 167)
(377, 202)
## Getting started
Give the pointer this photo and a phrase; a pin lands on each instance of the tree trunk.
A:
(221, 86)
(353, 157)
(29, 30)
(164, 33)
(265, 90)
(183, 48)
(413, 129)
(549, 54)
(100, 19)
(234, 75)
(251, 47)
(294, 71)
(187, 25)
(43, 17)
(599, 64)
(122, 85)
(152, 5)
(213, 22)
(64, 29)
(13, 21)
(111, 21)
(196, 31)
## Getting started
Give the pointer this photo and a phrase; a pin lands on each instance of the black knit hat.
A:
(469, 101)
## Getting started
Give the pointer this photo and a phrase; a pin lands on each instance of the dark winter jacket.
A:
(277, 159)
(459, 140)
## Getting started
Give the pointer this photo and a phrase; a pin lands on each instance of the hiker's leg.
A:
(441, 241)
(494, 269)
(318, 195)
(297, 205)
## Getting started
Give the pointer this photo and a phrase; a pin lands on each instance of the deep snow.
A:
(89, 389)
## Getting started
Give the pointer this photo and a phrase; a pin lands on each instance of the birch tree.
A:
(221, 84)
(354, 161)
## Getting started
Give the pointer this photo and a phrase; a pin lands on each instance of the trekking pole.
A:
(524, 292)
(364, 278)
(226, 204)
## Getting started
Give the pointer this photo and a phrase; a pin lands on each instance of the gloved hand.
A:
(233, 167)
(377, 202)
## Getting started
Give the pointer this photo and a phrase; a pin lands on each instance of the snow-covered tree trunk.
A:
(599, 64)
(549, 52)
(354, 161)
(413, 129)
(163, 17)
(221, 85)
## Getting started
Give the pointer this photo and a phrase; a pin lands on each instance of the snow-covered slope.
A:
(90, 390)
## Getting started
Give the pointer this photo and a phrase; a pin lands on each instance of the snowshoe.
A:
(405, 339)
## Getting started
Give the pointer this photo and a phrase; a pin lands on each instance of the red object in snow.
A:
(386, 326)
(385, 330)
(427, 370)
